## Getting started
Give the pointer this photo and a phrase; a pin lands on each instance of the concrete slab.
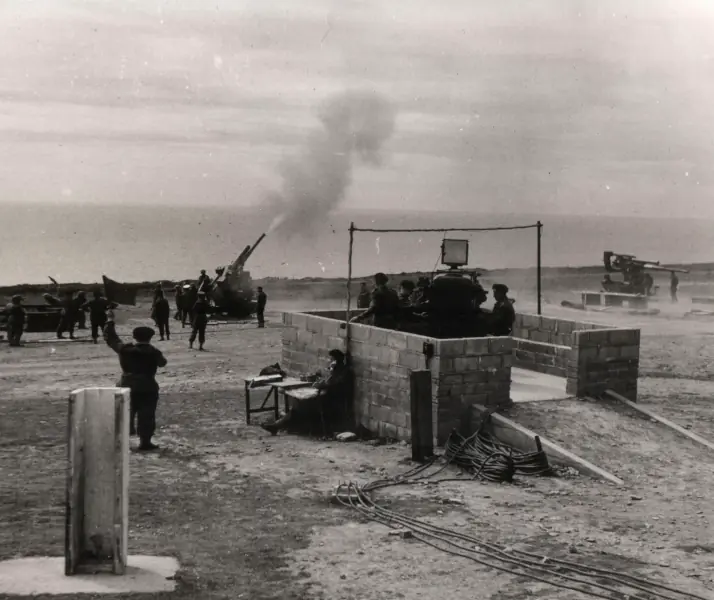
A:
(530, 386)
(45, 575)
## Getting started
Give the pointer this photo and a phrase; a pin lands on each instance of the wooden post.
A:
(97, 499)
(421, 422)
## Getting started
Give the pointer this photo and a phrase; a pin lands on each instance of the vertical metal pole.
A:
(421, 417)
(349, 289)
(539, 227)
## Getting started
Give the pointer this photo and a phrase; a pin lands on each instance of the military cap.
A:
(143, 333)
(501, 287)
(16, 298)
(336, 354)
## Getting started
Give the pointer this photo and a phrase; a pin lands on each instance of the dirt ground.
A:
(247, 517)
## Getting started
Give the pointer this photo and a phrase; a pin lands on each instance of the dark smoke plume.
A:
(355, 125)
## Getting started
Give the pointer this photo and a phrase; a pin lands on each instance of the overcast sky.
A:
(581, 107)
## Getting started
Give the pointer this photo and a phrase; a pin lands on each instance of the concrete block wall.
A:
(544, 344)
(604, 359)
(464, 371)
(471, 371)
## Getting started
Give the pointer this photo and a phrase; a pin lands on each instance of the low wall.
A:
(465, 372)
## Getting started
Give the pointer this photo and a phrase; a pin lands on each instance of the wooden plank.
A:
(97, 484)
(666, 422)
(421, 415)
(523, 439)
(74, 488)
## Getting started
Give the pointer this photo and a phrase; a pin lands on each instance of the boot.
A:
(201, 348)
(190, 345)
(146, 446)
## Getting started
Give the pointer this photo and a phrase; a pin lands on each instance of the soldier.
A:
(260, 308)
(384, 306)
(139, 362)
(190, 297)
(203, 284)
(365, 296)
(69, 315)
(162, 315)
(178, 299)
(16, 318)
(421, 292)
(406, 293)
(97, 308)
(158, 292)
(503, 314)
(81, 316)
(331, 403)
(199, 322)
(673, 285)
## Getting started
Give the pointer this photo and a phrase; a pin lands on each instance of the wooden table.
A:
(289, 383)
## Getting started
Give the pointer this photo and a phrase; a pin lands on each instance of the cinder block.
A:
(410, 360)
(608, 352)
(624, 337)
(467, 363)
(360, 333)
(451, 379)
(378, 336)
(475, 377)
(397, 340)
(507, 360)
(631, 352)
(314, 324)
(589, 339)
(544, 337)
(490, 362)
(476, 346)
(416, 342)
(501, 345)
(450, 348)
(564, 327)
(390, 430)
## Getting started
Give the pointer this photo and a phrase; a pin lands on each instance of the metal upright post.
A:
(539, 227)
(349, 289)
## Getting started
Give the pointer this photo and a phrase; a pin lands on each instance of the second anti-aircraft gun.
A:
(635, 279)
(232, 288)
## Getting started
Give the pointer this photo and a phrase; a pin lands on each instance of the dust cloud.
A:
(355, 126)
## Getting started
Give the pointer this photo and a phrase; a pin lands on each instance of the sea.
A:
(80, 243)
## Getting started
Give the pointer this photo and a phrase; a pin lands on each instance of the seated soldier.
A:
(333, 393)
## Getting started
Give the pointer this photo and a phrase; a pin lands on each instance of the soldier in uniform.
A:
(331, 403)
(189, 300)
(162, 315)
(421, 292)
(81, 316)
(199, 322)
(384, 306)
(178, 299)
(365, 296)
(503, 314)
(139, 362)
(16, 318)
(406, 293)
(69, 314)
(203, 284)
(262, 299)
(673, 285)
(97, 308)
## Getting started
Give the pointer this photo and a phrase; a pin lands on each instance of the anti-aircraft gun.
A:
(634, 276)
(232, 288)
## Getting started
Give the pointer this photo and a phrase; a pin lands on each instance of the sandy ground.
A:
(246, 514)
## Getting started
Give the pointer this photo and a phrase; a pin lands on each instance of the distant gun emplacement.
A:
(635, 279)
(232, 288)
(636, 288)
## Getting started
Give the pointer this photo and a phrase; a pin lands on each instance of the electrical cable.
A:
(483, 457)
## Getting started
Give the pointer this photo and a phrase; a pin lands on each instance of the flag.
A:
(118, 292)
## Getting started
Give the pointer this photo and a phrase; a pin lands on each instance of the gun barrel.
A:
(260, 239)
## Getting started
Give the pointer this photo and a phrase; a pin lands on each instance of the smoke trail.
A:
(355, 125)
